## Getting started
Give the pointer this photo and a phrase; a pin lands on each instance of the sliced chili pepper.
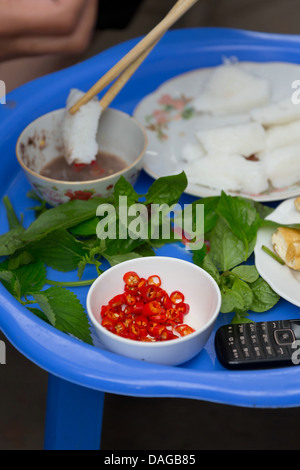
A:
(176, 297)
(173, 316)
(115, 315)
(155, 329)
(141, 321)
(120, 328)
(149, 292)
(108, 324)
(138, 307)
(166, 335)
(152, 308)
(184, 329)
(134, 331)
(154, 280)
(117, 301)
(183, 308)
(131, 278)
(142, 282)
(79, 166)
(131, 289)
(166, 301)
(130, 299)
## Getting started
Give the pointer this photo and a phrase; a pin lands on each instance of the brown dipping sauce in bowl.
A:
(106, 164)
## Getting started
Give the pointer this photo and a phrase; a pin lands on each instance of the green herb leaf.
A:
(65, 312)
(11, 241)
(241, 217)
(124, 188)
(167, 189)
(246, 273)
(63, 216)
(226, 249)
(12, 217)
(264, 298)
(59, 250)
(31, 277)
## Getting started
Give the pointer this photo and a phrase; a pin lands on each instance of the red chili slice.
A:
(117, 301)
(177, 297)
(149, 292)
(154, 281)
(184, 329)
(152, 308)
(183, 308)
(131, 279)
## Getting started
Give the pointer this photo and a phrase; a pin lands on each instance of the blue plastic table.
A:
(80, 374)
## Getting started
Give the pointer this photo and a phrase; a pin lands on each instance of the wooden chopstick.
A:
(137, 53)
(124, 78)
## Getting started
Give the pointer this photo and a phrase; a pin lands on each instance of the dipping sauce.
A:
(105, 164)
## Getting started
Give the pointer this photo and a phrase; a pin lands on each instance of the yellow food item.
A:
(297, 203)
(286, 243)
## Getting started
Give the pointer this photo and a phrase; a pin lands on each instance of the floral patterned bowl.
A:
(41, 142)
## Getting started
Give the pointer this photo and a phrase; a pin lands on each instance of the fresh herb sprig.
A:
(64, 238)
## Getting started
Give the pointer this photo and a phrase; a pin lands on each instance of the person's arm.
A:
(43, 27)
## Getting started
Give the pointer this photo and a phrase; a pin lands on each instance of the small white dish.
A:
(41, 142)
(283, 280)
(201, 293)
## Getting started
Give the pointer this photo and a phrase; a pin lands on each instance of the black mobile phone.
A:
(259, 345)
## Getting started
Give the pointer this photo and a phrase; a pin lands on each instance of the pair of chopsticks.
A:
(126, 67)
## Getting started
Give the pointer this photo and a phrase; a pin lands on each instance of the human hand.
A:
(43, 27)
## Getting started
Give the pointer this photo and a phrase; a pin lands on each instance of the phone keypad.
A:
(259, 341)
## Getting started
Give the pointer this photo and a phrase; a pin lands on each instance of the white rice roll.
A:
(228, 173)
(283, 112)
(80, 130)
(282, 166)
(282, 136)
(244, 139)
(192, 152)
(232, 90)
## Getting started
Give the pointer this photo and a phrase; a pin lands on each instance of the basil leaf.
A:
(63, 216)
(226, 249)
(167, 189)
(11, 241)
(241, 217)
(124, 188)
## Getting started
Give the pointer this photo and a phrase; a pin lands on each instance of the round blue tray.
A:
(202, 378)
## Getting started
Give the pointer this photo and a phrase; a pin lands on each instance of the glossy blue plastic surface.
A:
(202, 378)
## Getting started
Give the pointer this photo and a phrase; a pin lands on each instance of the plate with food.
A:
(277, 251)
(232, 127)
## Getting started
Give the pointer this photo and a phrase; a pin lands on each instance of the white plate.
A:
(283, 280)
(171, 121)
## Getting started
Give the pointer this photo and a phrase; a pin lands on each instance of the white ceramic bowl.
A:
(201, 293)
(41, 142)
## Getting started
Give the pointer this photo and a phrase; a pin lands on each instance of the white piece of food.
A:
(282, 136)
(80, 130)
(283, 112)
(192, 152)
(282, 166)
(228, 173)
(244, 139)
(232, 90)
